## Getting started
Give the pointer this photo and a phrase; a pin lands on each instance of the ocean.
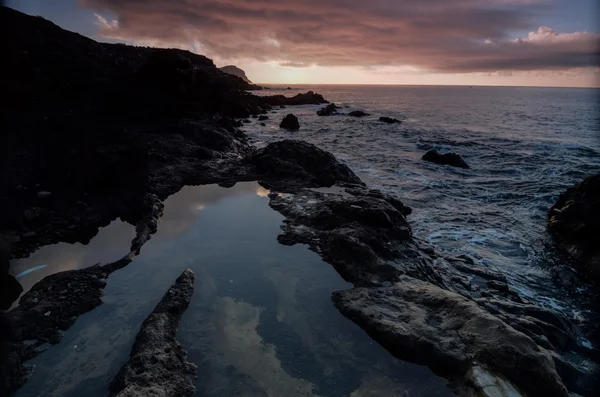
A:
(525, 145)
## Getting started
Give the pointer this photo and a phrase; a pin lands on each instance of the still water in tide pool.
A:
(261, 322)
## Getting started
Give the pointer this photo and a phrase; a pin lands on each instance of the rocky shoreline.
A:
(132, 126)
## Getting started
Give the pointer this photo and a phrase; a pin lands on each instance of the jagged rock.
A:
(158, 365)
(425, 324)
(358, 113)
(574, 222)
(290, 122)
(452, 159)
(328, 110)
(308, 98)
(389, 120)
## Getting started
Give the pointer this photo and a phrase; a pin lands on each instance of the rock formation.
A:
(574, 222)
(452, 159)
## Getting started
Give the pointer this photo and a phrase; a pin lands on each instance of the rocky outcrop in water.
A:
(263, 118)
(290, 123)
(424, 324)
(452, 159)
(288, 165)
(308, 98)
(389, 120)
(328, 110)
(461, 319)
(574, 222)
(158, 364)
(358, 113)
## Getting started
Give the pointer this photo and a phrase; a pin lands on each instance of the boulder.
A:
(158, 364)
(328, 110)
(389, 120)
(290, 122)
(290, 162)
(422, 323)
(262, 117)
(358, 113)
(574, 222)
(452, 159)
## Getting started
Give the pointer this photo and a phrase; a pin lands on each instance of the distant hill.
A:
(234, 70)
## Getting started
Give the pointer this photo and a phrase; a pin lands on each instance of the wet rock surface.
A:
(158, 364)
(290, 164)
(411, 317)
(389, 120)
(328, 110)
(358, 113)
(405, 290)
(574, 222)
(452, 159)
(290, 122)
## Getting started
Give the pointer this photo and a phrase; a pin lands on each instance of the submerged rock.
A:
(358, 113)
(290, 122)
(574, 222)
(389, 120)
(328, 110)
(452, 159)
(263, 117)
(158, 365)
(425, 324)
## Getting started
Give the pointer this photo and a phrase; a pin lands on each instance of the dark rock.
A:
(498, 285)
(158, 364)
(308, 98)
(411, 317)
(246, 121)
(328, 110)
(452, 159)
(263, 118)
(358, 113)
(290, 122)
(574, 222)
(289, 88)
(234, 70)
(9, 291)
(291, 163)
(389, 120)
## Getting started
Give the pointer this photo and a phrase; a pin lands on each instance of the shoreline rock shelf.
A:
(156, 120)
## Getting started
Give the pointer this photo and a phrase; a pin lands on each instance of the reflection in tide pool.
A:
(260, 323)
(110, 244)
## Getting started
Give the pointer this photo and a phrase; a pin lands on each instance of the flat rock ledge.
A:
(157, 365)
(463, 320)
(424, 324)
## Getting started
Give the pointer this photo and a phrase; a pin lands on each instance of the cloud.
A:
(294, 65)
(433, 35)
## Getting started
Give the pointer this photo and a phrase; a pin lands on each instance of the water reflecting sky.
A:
(260, 323)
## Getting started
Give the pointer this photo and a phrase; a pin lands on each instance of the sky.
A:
(454, 42)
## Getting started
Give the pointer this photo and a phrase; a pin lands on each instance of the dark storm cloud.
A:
(439, 35)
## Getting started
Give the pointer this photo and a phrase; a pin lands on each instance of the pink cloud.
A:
(434, 35)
